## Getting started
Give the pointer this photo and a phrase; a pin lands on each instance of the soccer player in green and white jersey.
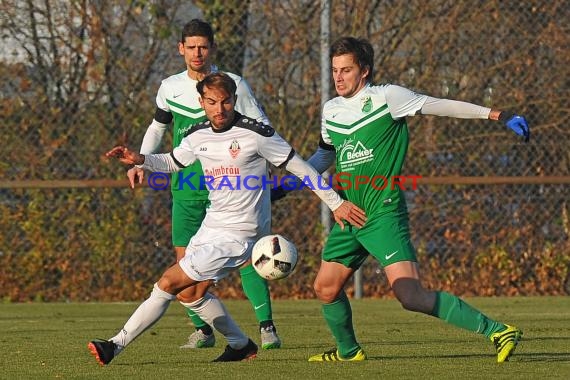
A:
(178, 103)
(365, 126)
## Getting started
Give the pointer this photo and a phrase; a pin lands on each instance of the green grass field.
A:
(48, 341)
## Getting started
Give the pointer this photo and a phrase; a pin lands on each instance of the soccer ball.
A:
(274, 257)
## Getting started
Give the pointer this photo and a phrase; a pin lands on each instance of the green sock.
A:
(457, 312)
(338, 315)
(196, 320)
(257, 291)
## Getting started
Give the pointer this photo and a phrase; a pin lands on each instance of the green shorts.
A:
(385, 237)
(187, 217)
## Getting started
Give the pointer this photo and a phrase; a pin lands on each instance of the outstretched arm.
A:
(164, 162)
(464, 110)
(403, 102)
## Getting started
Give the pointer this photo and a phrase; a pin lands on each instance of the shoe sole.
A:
(95, 353)
(247, 358)
(336, 361)
(271, 346)
(321, 358)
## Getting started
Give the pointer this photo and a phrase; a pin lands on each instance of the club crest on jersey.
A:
(366, 104)
(234, 149)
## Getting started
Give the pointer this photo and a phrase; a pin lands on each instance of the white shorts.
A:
(212, 255)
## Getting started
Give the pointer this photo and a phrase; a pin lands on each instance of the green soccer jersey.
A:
(370, 136)
(178, 95)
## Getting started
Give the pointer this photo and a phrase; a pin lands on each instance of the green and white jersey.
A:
(178, 95)
(370, 137)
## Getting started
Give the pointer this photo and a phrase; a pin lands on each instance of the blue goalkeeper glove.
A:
(517, 123)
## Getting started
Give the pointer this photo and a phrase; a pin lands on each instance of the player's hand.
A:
(517, 123)
(135, 174)
(350, 213)
(127, 157)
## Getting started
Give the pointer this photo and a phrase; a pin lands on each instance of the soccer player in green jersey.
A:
(178, 103)
(365, 129)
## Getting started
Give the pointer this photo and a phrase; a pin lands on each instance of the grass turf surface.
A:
(49, 341)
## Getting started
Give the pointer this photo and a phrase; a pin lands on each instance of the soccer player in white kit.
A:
(234, 151)
(177, 105)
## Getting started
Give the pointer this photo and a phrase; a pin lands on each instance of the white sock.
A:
(144, 317)
(213, 312)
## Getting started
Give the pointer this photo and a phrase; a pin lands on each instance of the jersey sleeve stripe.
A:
(162, 116)
(178, 163)
(289, 157)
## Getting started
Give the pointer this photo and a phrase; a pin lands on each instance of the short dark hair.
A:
(197, 27)
(218, 80)
(360, 48)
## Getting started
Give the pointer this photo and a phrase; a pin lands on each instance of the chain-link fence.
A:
(490, 216)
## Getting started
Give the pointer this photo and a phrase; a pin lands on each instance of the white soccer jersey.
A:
(234, 162)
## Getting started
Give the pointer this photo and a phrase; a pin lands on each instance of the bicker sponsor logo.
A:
(354, 154)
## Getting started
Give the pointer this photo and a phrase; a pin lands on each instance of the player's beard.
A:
(222, 120)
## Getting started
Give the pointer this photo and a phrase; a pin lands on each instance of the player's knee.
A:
(167, 285)
(418, 301)
(157, 292)
(188, 295)
(325, 292)
(187, 298)
(409, 301)
(411, 294)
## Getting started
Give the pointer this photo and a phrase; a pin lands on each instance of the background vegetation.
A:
(79, 77)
